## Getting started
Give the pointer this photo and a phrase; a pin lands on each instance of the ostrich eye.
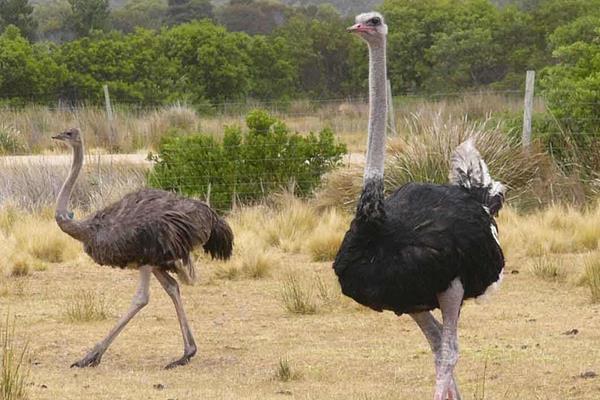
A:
(375, 20)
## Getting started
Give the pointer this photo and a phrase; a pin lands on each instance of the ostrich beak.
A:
(357, 28)
(60, 136)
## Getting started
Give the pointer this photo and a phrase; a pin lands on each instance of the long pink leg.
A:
(432, 330)
(450, 302)
(140, 299)
(172, 288)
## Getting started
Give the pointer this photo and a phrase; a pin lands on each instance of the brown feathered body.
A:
(151, 227)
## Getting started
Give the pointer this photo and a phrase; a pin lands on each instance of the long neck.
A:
(63, 217)
(377, 112)
(370, 208)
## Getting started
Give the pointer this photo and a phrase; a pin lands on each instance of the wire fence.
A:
(138, 128)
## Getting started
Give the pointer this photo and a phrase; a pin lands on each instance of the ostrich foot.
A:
(187, 356)
(91, 359)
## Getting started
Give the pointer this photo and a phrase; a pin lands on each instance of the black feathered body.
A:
(154, 227)
(422, 238)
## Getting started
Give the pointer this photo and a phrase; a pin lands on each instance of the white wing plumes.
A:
(469, 170)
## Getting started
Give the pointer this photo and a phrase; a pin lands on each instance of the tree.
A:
(89, 15)
(252, 17)
(181, 11)
(20, 14)
(27, 71)
(53, 18)
(149, 14)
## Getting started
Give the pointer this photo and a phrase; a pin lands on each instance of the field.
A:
(535, 339)
(271, 323)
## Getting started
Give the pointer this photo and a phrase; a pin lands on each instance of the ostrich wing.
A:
(148, 227)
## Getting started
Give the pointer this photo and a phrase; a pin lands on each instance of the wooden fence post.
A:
(528, 109)
(109, 116)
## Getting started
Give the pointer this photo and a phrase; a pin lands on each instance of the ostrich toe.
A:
(91, 359)
(183, 360)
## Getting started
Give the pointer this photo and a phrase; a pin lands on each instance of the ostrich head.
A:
(71, 136)
(370, 27)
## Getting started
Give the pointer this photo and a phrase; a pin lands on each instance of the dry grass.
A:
(423, 155)
(592, 277)
(297, 295)
(548, 269)
(85, 306)
(327, 236)
(34, 185)
(556, 230)
(284, 371)
(14, 369)
(42, 239)
(344, 352)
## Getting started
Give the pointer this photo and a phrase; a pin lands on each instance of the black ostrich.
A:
(425, 246)
(150, 230)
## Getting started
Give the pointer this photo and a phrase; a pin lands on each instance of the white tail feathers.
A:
(467, 169)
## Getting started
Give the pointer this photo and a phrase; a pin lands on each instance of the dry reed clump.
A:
(85, 306)
(592, 277)
(423, 155)
(14, 369)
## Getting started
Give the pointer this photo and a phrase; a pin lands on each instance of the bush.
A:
(11, 141)
(244, 167)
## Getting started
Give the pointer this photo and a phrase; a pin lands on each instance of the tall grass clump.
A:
(284, 371)
(423, 155)
(325, 240)
(14, 372)
(42, 239)
(85, 306)
(297, 295)
(11, 141)
(548, 269)
(592, 278)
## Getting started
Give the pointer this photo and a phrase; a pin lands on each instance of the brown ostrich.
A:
(151, 230)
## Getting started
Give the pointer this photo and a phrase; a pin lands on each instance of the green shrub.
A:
(244, 166)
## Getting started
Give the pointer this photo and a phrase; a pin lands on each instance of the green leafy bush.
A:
(246, 166)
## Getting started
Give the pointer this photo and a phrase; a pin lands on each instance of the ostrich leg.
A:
(140, 299)
(432, 330)
(172, 288)
(450, 302)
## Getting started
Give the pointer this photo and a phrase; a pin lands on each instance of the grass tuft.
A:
(258, 265)
(85, 306)
(14, 371)
(297, 295)
(324, 242)
(284, 371)
(20, 267)
(592, 278)
(548, 269)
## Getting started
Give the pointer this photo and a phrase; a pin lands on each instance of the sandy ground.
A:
(512, 347)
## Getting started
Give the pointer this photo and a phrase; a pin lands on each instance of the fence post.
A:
(528, 109)
(390, 106)
(109, 113)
